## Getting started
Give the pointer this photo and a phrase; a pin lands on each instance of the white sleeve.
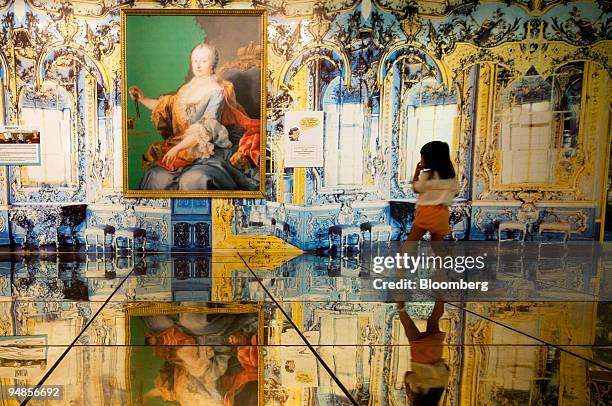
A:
(421, 184)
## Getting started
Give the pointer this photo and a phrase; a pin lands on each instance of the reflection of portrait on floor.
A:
(294, 134)
(209, 141)
(427, 380)
(209, 359)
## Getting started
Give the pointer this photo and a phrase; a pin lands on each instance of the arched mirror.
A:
(536, 123)
(429, 113)
(422, 108)
(351, 135)
(52, 110)
(69, 103)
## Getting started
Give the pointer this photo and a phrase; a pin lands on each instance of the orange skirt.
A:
(433, 219)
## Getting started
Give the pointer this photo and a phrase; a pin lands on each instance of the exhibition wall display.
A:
(517, 90)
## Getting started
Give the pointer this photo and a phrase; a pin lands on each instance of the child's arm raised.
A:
(417, 171)
(418, 180)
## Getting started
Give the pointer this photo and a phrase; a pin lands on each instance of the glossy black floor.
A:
(316, 329)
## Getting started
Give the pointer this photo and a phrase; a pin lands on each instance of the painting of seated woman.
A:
(192, 103)
(194, 355)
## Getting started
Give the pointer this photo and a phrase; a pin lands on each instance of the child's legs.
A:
(411, 330)
(434, 318)
(410, 246)
(416, 233)
(437, 237)
(429, 218)
(437, 248)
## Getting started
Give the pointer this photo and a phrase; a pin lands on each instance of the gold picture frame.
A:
(193, 146)
(148, 309)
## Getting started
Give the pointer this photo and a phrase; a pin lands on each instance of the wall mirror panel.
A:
(536, 123)
(108, 147)
(53, 111)
(64, 97)
(425, 108)
(352, 143)
(351, 135)
(429, 113)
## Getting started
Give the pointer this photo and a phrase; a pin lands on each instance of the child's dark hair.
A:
(293, 130)
(431, 398)
(436, 158)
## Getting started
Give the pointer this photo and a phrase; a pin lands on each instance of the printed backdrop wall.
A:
(521, 91)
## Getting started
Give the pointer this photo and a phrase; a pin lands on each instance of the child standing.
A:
(434, 180)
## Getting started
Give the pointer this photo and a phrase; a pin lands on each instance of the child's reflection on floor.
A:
(426, 382)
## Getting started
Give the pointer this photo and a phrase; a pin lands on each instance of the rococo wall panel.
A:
(391, 74)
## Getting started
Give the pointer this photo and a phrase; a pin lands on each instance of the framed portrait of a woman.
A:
(191, 354)
(193, 102)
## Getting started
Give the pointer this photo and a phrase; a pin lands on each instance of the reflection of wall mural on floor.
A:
(497, 350)
(467, 72)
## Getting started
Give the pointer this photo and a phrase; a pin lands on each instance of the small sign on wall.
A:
(303, 139)
(19, 145)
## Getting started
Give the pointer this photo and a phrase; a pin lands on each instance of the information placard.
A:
(304, 139)
(19, 145)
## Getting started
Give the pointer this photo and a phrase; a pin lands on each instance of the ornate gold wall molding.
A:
(40, 66)
(595, 130)
(91, 9)
(442, 68)
(318, 52)
(545, 57)
(533, 7)
(224, 242)
(430, 9)
(303, 9)
(3, 169)
(605, 180)
(486, 159)
(224, 268)
(519, 57)
(5, 5)
(462, 137)
(38, 47)
(5, 78)
(444, 8)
